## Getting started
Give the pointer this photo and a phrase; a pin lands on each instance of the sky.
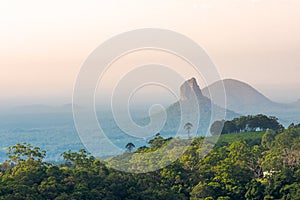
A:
(44, 44)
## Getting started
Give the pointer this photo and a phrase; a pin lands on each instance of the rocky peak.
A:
(188, 88)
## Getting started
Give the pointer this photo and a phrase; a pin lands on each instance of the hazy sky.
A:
(43, 44)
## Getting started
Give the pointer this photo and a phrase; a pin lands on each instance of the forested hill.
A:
(235, 170)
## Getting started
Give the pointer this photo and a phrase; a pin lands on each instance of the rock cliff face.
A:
(190, 88)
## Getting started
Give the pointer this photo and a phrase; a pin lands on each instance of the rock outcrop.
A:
(190, 88)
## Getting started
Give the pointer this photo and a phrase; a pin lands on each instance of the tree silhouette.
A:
(188, 126)
(129, 147)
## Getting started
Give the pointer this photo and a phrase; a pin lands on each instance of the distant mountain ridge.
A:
(191, 96)
(244, 99)
(41, 108)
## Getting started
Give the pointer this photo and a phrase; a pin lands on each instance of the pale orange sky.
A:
(42, 45)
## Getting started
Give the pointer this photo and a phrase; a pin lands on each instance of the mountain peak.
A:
(188, 88)
(240, 97)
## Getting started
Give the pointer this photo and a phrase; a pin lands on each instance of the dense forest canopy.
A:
(237, 170)
(246, 124)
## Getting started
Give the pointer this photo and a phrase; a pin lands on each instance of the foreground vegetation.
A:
(251, 138)
(235, 169)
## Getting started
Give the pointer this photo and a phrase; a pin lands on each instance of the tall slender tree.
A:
(188, 127)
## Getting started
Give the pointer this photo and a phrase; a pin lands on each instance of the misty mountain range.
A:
(241, 99)
(52, 127)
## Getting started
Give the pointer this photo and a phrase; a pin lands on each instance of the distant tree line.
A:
(246, 124)
(292, 125)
